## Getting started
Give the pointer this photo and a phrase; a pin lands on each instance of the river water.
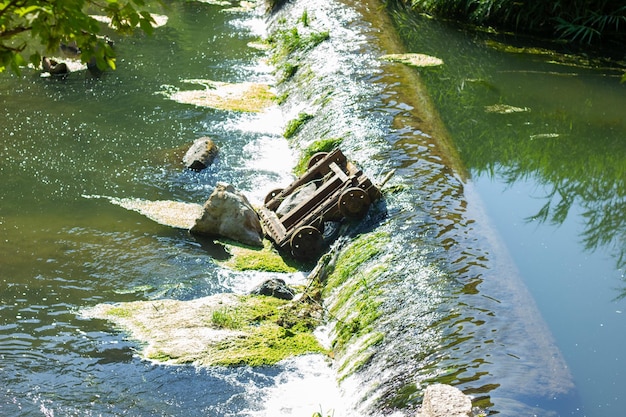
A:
(519, 313)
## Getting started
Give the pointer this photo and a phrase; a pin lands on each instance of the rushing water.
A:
(456, 307)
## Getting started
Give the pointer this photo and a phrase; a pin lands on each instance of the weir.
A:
(421, 291)
(425, 292)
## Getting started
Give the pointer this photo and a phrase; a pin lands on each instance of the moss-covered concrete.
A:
(240, 97)
(226, 329)
(266, 259)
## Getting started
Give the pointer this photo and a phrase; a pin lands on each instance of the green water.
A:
(552, 176)
(66, 142)
(66, 139)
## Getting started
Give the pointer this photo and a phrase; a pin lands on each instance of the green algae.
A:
(322, 145)
(360, 250)
(295, 124)
(266, 259)
(271, 333)
(223, 330)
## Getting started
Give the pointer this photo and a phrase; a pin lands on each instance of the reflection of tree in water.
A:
(603, 204)
(567, 132)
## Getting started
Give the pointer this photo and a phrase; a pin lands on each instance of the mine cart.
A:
(331, 189)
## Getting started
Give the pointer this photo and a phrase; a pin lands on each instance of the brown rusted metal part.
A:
(336, 179)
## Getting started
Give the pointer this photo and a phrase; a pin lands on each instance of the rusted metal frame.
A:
(274, 228)
(316, 172)
(319, 198)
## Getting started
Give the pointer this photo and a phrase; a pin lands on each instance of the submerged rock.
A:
(222, 329)
(242, 97)
(415, 60)
(274, 287)
(442, 400)
(166, 212)
(228, 213)
(201, 154)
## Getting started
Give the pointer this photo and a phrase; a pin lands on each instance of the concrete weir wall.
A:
(388, 350)
(326, 85)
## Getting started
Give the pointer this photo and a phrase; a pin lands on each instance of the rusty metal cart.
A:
(341, 191)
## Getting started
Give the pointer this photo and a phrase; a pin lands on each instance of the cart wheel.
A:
(354, 203)
(316, 158)
(306, 242)
(272, 194)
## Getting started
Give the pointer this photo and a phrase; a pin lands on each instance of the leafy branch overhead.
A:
(30, 28)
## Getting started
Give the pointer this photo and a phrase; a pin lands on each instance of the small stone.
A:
(274, 287)
(201, 154)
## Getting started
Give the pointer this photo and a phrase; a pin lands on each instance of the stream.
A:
(503, 274)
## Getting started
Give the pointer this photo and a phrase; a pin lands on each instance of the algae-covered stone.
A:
(224, 329)
(242, 97)
(265, 259)
(416, 60)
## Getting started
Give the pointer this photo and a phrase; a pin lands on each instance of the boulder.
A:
(201, 154)
(442, 400)
(228, 213)
(274, 287)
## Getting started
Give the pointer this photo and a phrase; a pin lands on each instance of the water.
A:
(553, 182)
(457, 308)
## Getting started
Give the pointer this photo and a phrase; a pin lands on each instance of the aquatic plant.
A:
(322, 145)
(584, 21)
(295, 124)
(287, 41)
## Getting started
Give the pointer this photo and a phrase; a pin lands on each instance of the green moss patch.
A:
(241, 97)
(295, 124)
(266, 259)
(322, 145)
(225, 329)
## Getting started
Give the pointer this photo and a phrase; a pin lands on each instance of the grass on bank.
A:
(584, 21)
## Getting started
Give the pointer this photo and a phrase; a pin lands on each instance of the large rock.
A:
(228, 213)
(274, 287)
(201, 154)
(442, 400)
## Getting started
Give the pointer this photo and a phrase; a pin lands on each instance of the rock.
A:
(228, 213)
(274, 287)
(442, 400)
(201, 154)
(304, 193)
(53, 67)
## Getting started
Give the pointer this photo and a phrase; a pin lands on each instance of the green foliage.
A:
(35, 27)
(584, 21)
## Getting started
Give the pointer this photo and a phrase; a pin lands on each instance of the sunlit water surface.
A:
(543, 135)
(456, 309)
